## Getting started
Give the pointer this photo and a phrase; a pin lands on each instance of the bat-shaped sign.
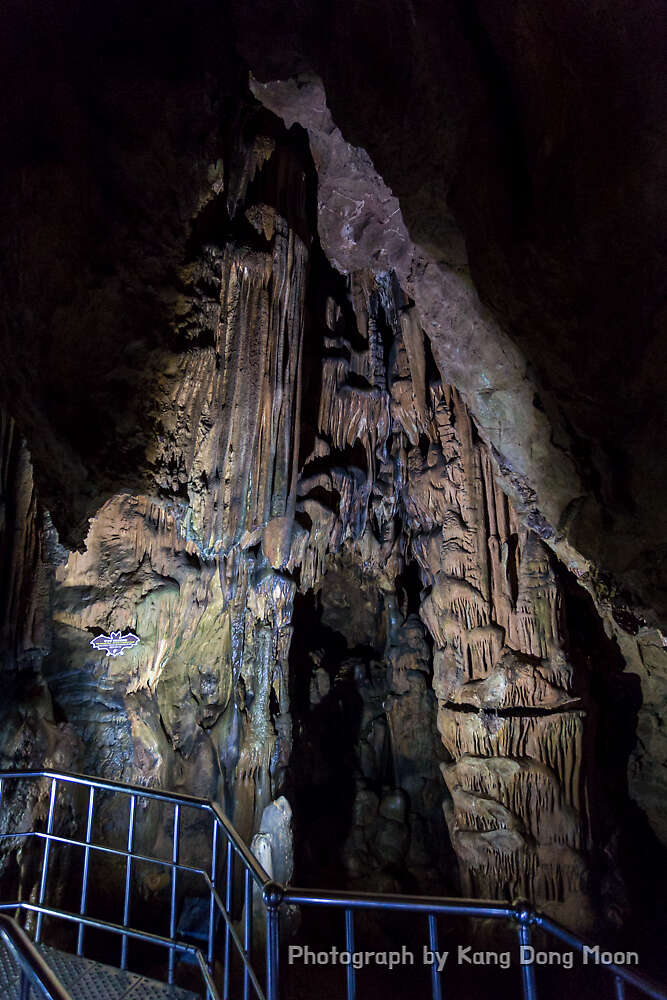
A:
(116, 643)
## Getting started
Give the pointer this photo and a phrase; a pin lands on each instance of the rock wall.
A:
(24, 533)
(28, 553)
(571, 462)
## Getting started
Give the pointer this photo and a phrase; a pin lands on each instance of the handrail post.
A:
(229, 876)
(45, 856)
(128, 879)
(436, 985)
(525, 918)
(211, 905)
(350, 971)
(172, 910)
(86, 865)
(273, 894)
(247, 930)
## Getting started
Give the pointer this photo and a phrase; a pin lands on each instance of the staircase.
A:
(83, 979)
(241, 950)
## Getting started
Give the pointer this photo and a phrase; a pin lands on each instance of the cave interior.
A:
(333, 371)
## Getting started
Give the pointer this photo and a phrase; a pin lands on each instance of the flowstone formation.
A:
(305, 449)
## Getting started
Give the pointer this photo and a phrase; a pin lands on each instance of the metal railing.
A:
(519, 914)
(226, 848)
(259, 973)
(33, 969)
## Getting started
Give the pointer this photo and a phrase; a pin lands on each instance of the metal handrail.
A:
(106, 925)
(34, 969)
(141, 791)
(221, 830)
(397, 901)
(520, 913)
(275, 898)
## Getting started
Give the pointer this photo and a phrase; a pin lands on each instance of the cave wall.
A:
(509, 714)
(508, 163)
(194, 569)
(25, 530)
(510, 720)
(29, 551)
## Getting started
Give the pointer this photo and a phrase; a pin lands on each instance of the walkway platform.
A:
(88, 980)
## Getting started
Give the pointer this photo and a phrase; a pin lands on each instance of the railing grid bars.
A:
(116, 851)
(273, 895)
(239, 947)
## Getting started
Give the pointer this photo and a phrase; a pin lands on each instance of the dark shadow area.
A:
(630, 863)
(327, 723)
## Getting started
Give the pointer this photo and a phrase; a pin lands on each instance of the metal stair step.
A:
(89, 980)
